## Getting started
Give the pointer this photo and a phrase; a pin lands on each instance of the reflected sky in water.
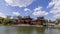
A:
(28, 30)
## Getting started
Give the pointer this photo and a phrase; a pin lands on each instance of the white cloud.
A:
(11, 17)
(16, 13)
(2, 15)
(55, 11)
(19, 3)
(26, 9)
(57, 16)
(50, 4)
(38, 12)
(38, 8)
(56, 8)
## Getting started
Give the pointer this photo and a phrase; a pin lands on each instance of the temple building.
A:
(25, 20)
(28, 20)
(38, 21)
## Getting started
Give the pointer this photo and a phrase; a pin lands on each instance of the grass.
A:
(1, 24)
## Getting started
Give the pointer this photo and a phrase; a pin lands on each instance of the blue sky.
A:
(34, 8)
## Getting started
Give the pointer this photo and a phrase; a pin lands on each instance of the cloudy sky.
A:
(50, 9)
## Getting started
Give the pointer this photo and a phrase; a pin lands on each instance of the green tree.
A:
(8, 20)
(19, 17)
(1, 20)
(46, 20)
(58, 20)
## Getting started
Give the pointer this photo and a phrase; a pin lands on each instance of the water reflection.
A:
(52, 31)
(28, 30)
(8, 30)
(32, 30)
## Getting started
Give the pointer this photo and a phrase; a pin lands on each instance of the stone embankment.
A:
(37, 25)
(28, 25)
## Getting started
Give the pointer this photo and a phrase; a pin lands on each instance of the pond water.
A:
(28, 30)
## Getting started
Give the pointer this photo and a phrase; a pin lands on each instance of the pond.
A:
(28, 30)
